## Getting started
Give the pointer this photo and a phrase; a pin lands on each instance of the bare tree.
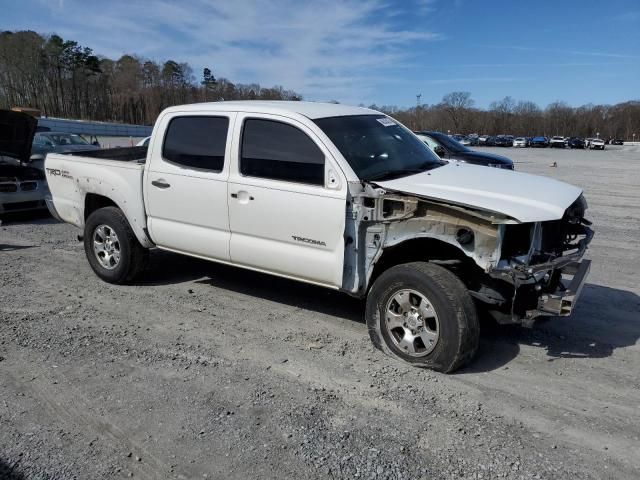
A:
(457, 105)
(64, 79)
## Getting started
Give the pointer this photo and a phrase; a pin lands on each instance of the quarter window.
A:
(197, 142)
(280, 151)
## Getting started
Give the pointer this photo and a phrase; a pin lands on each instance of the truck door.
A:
(287, 201)
(185, 184)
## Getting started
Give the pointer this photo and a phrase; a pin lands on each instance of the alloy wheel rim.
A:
(412, 323)
(106, 246)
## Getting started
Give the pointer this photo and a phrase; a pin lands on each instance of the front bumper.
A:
(562, 302)
(21, 201)
(550, 288)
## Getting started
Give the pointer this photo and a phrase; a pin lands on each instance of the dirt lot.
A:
(204, 371)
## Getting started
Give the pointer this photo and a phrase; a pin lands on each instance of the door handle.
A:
(160, 184)
(242, 196)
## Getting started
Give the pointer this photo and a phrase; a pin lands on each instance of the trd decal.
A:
(55, 172)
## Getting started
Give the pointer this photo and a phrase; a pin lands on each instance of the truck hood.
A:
(17, 130)
(521, 196)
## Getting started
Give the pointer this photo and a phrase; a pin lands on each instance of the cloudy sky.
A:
(370, 51)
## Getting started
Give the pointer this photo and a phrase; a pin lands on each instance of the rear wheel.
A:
(422, 313)
(113, 250)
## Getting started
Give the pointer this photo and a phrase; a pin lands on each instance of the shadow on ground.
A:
(9, 473)
(604, 320)
(166, 268)
(11, 248)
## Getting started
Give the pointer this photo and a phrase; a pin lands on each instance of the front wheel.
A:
(113, 250)
(422, 313)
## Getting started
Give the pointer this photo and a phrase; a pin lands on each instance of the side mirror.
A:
(36, 157)
(440, 151)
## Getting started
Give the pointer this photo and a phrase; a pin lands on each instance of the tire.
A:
(451, 316)
(113, 250)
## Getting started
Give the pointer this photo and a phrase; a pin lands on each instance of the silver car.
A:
(22, 185)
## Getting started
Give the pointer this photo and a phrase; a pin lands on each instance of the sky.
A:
(370, 51)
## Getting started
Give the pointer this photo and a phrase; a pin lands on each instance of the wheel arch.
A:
(96, 201)
(420, 250)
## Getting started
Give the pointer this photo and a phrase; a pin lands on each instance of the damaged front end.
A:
(519, 271)
(541, 266)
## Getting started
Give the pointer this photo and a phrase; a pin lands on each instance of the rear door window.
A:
(196, 142)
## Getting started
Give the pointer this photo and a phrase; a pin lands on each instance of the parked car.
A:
(60, 142)
(503, 141)
(617, 141)
(22, 185)
(557, 142)
(473, 141)
(575, 142)
(464, 141)
(490, 141)
(596, 144)
(541, 142)
(520, 142)
(450, 150)
(341, 197)
(482, 139)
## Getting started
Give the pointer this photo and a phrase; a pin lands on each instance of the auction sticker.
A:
(387, 122)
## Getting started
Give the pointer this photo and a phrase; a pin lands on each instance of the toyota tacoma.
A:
(342, 197)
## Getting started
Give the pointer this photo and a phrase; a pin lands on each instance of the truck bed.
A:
(114, 174)
(120, 154)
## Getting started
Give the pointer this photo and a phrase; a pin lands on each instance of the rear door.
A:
(287, 201)
(186, 184)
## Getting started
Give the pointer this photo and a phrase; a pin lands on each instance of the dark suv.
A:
(449, 149)
(575, 142)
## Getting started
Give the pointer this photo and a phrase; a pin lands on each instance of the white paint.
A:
(521, 196)
(192, 214)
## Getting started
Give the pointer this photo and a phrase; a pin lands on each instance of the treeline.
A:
(456, 114)
(65, 79)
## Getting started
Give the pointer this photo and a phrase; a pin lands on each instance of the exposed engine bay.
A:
(518, 271)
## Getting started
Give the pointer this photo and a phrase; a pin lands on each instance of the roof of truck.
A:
(308, 109)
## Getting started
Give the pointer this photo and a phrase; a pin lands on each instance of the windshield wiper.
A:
(390, 174)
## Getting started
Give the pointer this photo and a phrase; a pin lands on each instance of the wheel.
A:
(113, 250)
(422, 313)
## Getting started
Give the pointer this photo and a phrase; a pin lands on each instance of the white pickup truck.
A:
(337, 196)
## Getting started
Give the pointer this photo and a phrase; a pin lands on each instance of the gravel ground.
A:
(205, 371)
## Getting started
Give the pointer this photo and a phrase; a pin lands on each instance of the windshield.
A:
(378, 148)
(67, 139)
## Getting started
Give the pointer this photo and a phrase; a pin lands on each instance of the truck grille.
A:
(28, 186)
(8, 187)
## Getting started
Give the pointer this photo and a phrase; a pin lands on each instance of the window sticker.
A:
(387, 122)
